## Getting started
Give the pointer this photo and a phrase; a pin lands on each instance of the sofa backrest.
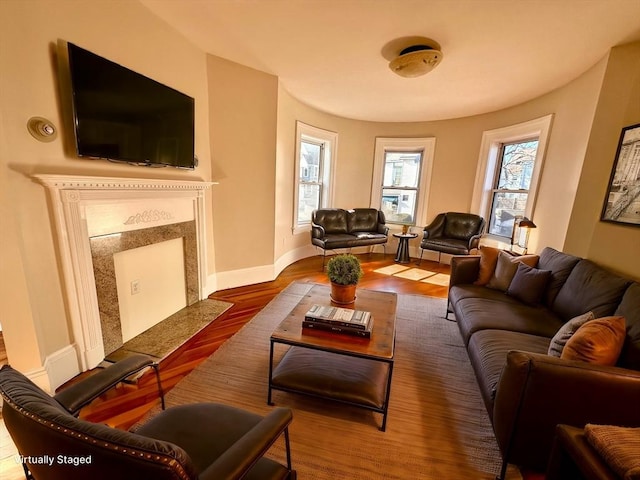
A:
(362, 220)
(462, 226)
(560, 265)
(333, 220)
(589, 288)
(629, 308)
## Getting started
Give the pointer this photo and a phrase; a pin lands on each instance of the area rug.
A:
(437, 425)
(167, 336)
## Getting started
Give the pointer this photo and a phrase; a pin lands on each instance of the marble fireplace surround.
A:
(89, 210)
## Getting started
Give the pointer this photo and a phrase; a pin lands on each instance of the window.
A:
(511, 186)
(508, 174)
(402, 173)
(315, 160)
(400, 186)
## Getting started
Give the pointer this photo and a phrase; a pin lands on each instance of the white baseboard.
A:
(293, 256)
(245, 276)
(61, 366)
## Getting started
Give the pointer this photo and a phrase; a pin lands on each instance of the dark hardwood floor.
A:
(122, 406)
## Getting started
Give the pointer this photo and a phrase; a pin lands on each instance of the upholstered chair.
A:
(453, 233)
(195, 441)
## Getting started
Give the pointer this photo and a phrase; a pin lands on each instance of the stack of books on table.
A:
(339, 320)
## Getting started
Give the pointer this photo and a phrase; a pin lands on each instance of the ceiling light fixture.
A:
(415, 61)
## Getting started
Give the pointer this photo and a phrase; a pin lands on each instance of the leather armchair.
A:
(453, 233)
(203, 441)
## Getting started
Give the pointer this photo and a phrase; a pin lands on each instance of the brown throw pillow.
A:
(599, 341)
(566, 331)
(529, 284)
(506, 269)
(488, 260)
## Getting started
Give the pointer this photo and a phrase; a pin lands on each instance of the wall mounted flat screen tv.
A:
(121, 115)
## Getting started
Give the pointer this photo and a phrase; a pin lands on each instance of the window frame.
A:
(328, 141)
(489, 162)
(427, 146)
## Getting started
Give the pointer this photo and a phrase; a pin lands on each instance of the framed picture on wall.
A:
(622, 202)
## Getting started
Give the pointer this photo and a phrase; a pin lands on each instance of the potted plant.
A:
(344, 272)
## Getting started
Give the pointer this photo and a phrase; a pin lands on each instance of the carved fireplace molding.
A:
(85, 207)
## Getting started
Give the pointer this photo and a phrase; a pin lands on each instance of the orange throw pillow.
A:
(598, 341)
(488, 260)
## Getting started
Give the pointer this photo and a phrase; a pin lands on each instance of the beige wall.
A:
(242, 109)
(614, 245)
(457, 149)
(123, 31)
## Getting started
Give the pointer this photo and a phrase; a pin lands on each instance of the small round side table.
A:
(402, 255)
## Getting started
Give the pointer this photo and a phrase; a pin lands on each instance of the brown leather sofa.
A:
(527, 393)
(333, 228)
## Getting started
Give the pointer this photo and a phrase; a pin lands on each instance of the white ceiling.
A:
(329, 53)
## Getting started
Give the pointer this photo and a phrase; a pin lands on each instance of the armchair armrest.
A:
(244, 453)
(76, 396)
(464, 269)
(435, 228)
(382, 220)
(537, 392)
(474, 241)
(317, 231)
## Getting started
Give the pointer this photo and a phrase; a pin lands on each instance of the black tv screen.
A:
(121, 115)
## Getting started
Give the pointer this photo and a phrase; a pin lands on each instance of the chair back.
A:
(58, 446)
(462, 226)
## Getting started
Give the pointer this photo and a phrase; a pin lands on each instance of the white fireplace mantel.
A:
(84, 207)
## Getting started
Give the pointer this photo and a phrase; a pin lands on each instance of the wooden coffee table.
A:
(344, 368)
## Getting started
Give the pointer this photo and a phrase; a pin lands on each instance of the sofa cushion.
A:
(528, 284)
(488, 260)
(488, 352)
(589, 287)
(561, 337)
(474, 314)
(452, 246)
(599, 341)
(362, 220)
(333, 220)
(560, 264)
(506, 268)
(629, 308)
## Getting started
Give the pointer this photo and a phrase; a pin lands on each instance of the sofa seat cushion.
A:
(589, 287)
(474, 314)
(452, 246)
(338, 240)
(488, 352)
(364, 236)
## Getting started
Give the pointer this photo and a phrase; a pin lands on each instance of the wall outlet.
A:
(135, 287)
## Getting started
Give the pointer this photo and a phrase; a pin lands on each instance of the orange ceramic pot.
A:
(343, 294)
